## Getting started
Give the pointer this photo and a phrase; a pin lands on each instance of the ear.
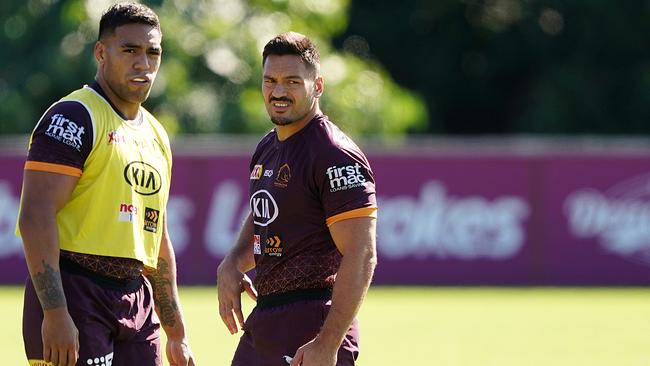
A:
(100, 52)
(319, 84)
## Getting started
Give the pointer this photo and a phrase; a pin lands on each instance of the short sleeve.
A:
(347, 184)
(62, 140)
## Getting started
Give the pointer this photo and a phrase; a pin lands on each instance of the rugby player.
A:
(93, 214)
(310, 234)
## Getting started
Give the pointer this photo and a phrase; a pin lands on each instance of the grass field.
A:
(444, 326)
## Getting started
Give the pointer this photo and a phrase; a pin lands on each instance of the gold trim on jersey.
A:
(53, 168)
(359, 212)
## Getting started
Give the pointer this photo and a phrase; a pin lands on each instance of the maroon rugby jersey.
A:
(299, 187)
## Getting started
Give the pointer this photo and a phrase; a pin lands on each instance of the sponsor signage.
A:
(128, 213)
(345, 177)
(443, 219)
(65, 131)
(151, 219)
(143, 177)
(264, 208)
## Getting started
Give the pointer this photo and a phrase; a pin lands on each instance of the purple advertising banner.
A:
(448, 219)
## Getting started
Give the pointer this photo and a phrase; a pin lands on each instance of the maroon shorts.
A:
(116, 321)
(271, 333)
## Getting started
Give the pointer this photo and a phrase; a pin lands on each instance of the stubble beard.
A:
(285, 121)
(281, 121)
(137, 96)
(124, 93)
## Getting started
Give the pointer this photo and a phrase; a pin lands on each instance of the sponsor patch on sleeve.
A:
(65, 131)
(345, 177)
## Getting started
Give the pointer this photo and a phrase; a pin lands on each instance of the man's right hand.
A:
(230, 284)
(60, 338)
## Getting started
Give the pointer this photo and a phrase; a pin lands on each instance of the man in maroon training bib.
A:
(311, 232)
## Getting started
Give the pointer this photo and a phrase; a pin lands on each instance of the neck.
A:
(127, 109)
(286, 131)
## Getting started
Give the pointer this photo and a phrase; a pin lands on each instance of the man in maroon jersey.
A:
(311, 232)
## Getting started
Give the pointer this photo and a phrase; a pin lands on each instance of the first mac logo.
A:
(143, 177)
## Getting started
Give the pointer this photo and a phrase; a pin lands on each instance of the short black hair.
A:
(126, 13)
(292, 43)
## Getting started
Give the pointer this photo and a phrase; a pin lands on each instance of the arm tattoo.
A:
(49, 288)
(163, 293)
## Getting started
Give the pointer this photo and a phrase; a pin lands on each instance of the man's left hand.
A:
(179, 353)
(314, 354)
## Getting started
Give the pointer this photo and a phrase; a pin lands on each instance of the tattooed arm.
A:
(44, 194)
(165, 291)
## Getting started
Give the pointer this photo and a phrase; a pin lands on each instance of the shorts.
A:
(271, 333)
(116, 321)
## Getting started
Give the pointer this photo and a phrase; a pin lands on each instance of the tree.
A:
(514, 66)
(210, 77)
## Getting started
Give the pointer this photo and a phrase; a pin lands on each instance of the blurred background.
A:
(510, 140)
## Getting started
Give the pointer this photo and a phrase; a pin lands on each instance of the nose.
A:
(142, 62)
(279, 90)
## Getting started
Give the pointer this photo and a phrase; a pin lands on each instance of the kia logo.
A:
(264, 208)
(143, 177)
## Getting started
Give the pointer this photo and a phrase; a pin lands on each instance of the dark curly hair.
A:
(292, 43)
(126, 13)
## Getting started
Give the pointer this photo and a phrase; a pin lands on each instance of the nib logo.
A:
(257, 248)
(151, 219)
(128, 213)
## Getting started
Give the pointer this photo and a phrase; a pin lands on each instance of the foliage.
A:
(209, 80)
(514, 66)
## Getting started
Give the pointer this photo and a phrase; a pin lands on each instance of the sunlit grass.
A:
(443, 326)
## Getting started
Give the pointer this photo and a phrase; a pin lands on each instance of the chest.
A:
(135, 157)
(282, 183)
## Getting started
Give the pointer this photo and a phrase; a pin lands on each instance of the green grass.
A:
(443, 326)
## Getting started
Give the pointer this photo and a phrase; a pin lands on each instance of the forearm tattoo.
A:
(49, 288)
(163, 294)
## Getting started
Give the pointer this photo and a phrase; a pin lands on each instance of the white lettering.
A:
(622, 224)
(180, 212)
(264, 208)
(338, 182)
(226, 213)
(346, 177)
(11, 244)
(445, 227)
(65, 131)
(329, 172)
(261, 208)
